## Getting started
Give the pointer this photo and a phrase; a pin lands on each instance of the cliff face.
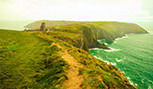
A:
(39, 60)
(108, 31)
(114, 30)
(87, 33)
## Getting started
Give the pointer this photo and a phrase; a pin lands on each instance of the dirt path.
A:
(74, 79)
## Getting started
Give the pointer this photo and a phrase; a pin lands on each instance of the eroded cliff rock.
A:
(84, 35)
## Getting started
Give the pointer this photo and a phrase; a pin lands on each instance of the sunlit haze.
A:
(15, 14)
(78, 10)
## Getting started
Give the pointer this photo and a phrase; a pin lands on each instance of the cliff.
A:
(87, 33)
(55, 59)
(40, 60)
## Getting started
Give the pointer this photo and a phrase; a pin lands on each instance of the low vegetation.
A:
(28, 61)
(33, 59)
(98, 74)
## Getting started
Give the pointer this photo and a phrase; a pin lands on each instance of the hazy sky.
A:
(79, 10)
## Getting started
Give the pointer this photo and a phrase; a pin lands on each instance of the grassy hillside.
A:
(28, 61)
(84, 35)
(44, 60)
(36, 24)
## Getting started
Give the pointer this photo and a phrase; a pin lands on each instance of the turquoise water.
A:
(133, 55)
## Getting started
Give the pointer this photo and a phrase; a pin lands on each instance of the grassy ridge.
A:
(96, 73)
(32, 60)
(84, 35)
(28, 61)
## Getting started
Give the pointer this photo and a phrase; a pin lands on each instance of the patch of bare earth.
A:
(74, 79)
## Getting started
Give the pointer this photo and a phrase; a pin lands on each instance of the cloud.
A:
(118, 10)
(5, 1)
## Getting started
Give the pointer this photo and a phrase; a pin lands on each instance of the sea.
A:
(133, 55)
(14, 25)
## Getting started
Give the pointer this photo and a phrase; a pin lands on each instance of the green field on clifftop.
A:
(33, 60)
(23, 61)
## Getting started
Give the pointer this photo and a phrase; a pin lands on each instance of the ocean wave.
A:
(128, 78)
(106, 43)
(95, 49)
(122, 71)
(110, 62)
(113, 63)
(125, 37)
(106, 61)
(106, 50)
(131, 82)
(95, 56)
(118, 60)
(149, 87)
(111, 50)
(114, 42)
(150, 32)
(150, 81)
(142, 80)
(122, 37)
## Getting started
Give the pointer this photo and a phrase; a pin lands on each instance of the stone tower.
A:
(43, 26)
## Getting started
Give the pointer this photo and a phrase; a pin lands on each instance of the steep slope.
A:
(117, 29)
(84, 35)
(38, 60)
(96, 73)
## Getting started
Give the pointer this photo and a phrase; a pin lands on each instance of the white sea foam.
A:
(95, 56)
(118, 60)
(106, 43)
(142, 80)
(110, 62)
(114, 42)
(95, 48)
(131, 82)
(107, 62)
(149, 87)
(121, 37)
(128, 78)
(123, 72)
(113, 63)
(98, 40)
(107, 50)
(150, 32)
(125, 36)
(111, 50)
(150, 81)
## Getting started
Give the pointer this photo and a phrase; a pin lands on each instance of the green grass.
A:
(32, 60)
(24, 65)
(85, 34)
(97, 74)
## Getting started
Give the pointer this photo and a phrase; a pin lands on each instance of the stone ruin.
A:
(43, 26)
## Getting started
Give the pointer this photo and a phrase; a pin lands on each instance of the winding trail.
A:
(74, 79)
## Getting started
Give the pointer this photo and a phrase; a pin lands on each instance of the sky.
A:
(77, 10)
